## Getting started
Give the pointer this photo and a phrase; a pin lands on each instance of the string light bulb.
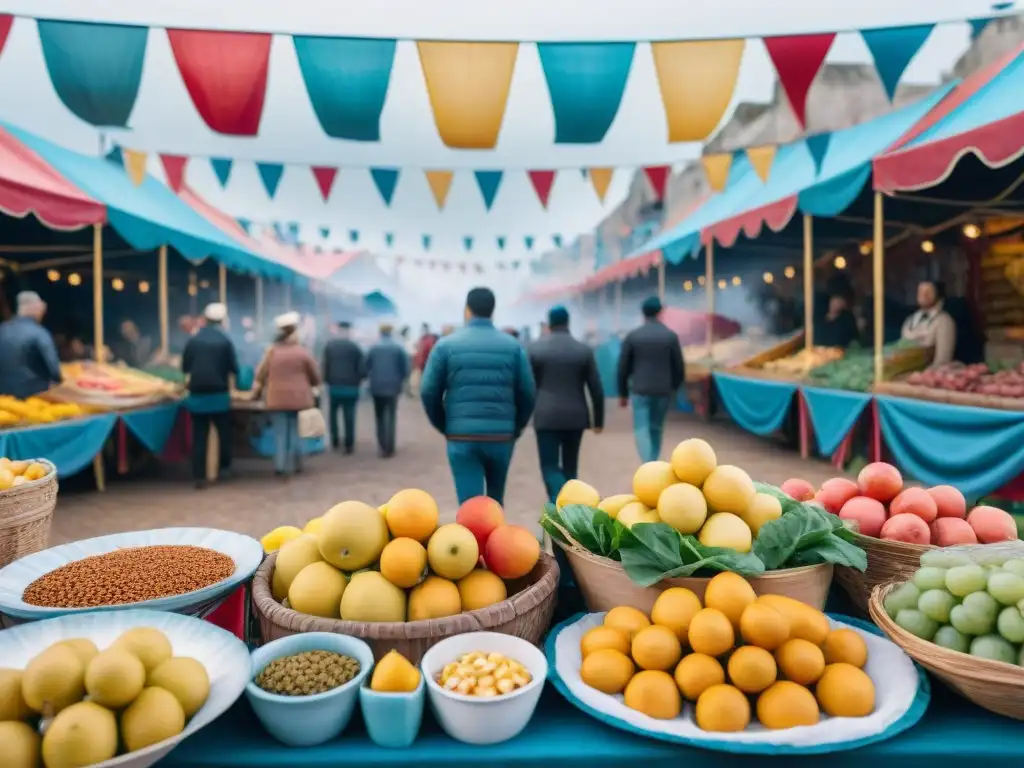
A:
(736, 280)
(701, 280)
(192, 290)
(789, 272)
(928, 246)
(74, 279)
(768, 277)
(687, 285)
(839, 262)
(53, 275)
(972, 231)
(117, 284)
(143, 286)
(721, 284)
(865, 248)
(204, 284)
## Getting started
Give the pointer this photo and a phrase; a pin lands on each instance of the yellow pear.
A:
(614, 504)
(728, 489)
(317, 591)
(292, 558)
(726, 530)
(763, 509)
(352, 535)
(371, 597)
(274, 540)
(651, 479)
(636, 512)
(394, 674)
(693, 460)
(683, 507)
(313, 526)
(577, 492)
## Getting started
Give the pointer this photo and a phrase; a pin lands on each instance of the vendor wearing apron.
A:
(931, 326)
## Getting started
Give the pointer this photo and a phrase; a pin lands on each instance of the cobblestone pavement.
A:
(254, 501)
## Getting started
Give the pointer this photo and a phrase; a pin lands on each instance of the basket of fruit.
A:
(687, 520)
(28, 496)
(961, 616)
(392, 577)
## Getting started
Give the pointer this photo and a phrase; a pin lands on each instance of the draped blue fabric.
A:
(262, 442)
(586, 82)
(488, 182)
(893, 48)
(834, 195)
(95, 68)
(975, 449)
(70, 445)
(347, 82)
(606, 355)
(833, 412)
(385, 179)
(152, 426)
(222, 169)
(270, 175)
(756, 405)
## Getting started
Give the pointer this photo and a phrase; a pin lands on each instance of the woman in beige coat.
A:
(287, 376)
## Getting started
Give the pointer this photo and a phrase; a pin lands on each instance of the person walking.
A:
(478, 391)
(425, 344)
(29, 362)
(287, 374)
(565, 372)
(387, 369)
(651, 367)
(210, 364)
(343, 376)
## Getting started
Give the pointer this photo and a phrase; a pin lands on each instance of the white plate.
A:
(244, 550)
(225, 657)
(901, 698)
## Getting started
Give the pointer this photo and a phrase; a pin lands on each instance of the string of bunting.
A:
(96, 70)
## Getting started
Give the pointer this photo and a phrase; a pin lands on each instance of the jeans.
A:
(347, 405)
(480, 467)
(385, 413)
(285, 425)
(649, 412)
(559, 453)
(200, 440)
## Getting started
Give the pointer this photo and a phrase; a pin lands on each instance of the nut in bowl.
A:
(484, 713)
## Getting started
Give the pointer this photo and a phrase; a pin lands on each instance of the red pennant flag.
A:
(324, 179)
(6, 20)
(797, 60)
(174, 170)
(542, 182)
(657, 175)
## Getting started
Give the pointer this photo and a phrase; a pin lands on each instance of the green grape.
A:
(993, 647)
(930, 578)
(1010, 624)
(916, 623)
(936, 604)
(1007, 588)
(983, 604)
(953, 639)
(941, 558)
(970, 622)
(965, 579)
(904, 596)
(1015, 566)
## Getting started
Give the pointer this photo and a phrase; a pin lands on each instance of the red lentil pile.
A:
(129, 575)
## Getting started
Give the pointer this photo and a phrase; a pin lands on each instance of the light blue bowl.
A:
(306, 721)
(393, 719)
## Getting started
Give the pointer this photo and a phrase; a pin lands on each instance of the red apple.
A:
(880, 481)
(482, 515)
(907, 528)
(951, 531)
(512, 551)
(836, 492)
(798, 489)
(949, 502)
(992, 525)
(915, 501)
(867, 513)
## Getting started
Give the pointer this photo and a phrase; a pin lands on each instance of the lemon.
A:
(628, 619)
(651, 479)
(722, 709)
(696, 673)
(845, 646)
(274, 540)
(21, 744)
(154, 716)
(763, 509)
(149, 645)
(607, 670)
(726, 530)
(800, 661)
(728, 489)
(12, 703)
(186, 679)
(787, 705)
(675, 608)
(711, 632)
(846, 691)
(83, 734)
(752, 669)
(763, 626)
(312, 528)
(656, 647)
(683, 507)
(114, 678)
(654, 693)
(577, 492)
(693, 460)
(604, 637)
(730, 593)
(403, 562)
(636, 512)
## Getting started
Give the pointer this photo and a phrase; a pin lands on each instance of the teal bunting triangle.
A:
(488, 182)
(389, 239)
(528, 242)
(270, 175)
(557, 240)
(467, 243)
(222, 169)
(353, 235)
(245, 224)
(501, 243)
(426, 242)
(385, 179)
(817, 145)
(325, 232)
(892, 49)
(115, 156)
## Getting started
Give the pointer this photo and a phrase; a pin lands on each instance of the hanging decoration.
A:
(488, 182)
(246, 225)
(440, 183)
(977, 27)
(353, 236)
(325, 232)
(426, 242)
(95, 69)
(761, 159)
(385, 179)
(501, 243)
(347, 81)
(557, 240)
(6, 22)
(221, 169)
(797, 60)
(542, 182)
(270, 175)
(586, 82)
(528, 242)
(716, 169)
(817, 145)
(468, 85)
(389, 239)
(467, 243)
(325, 177)
(893, 49)
(697, 80)
(174, 170)
(600, 178)
(657, 177)
(134, 165)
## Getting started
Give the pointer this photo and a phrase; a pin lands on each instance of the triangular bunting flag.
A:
(515, 264)
(657, 175)
(221, 169)
(389, 240)
(488, 182)
(426, 242)
(293, 231)
(797, 60)
(114, 155)
(385, 179)
(716, 168)
(761, 158)
(817, 145)
(135, 165)
(467, 243)
(245, 224)
(528, 242)
(977, 27)
(270, 175)
(174, 170)
(325, 177)
(440, 182)
(501, 243)
(601, 178)
(353, 235)
(542, 182)
(325, 232)
(892, 49)
(557, 240)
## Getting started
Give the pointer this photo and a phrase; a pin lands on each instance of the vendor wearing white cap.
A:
(29, 363)
(210, 364)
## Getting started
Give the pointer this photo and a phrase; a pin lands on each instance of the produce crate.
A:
(786, 348)
(972, 399)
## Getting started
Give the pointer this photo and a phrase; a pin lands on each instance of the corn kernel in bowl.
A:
(484, 675)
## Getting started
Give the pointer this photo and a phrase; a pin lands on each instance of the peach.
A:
(951, 531)
(949, 502)
(914, 501)
(836, 492)
(798, 489)
(867, 513)
(907, 528)
(481, 514)
(992, 524)
(880, 481)
(511, 551)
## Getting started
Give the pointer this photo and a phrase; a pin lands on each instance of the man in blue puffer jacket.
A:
(478, 391)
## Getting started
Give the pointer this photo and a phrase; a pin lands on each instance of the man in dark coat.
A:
(210, 365)
(651, 367)
(387, 368)
(343, 375)
(565, 371)
(29, 363)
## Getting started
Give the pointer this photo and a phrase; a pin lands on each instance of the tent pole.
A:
(165, 339)
(97, 291)
(808, 281)
(259, 308)
(878, 264)
(661, 277)
(709, 289)
(222, 274)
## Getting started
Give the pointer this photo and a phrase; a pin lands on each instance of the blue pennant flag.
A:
(353, 235)
(389, 239)
(385, 179)
(222, 169)
(817, 145)
(515, 264)
(978, 26)
(246, 225)
(557, 240)
(528, 242)
(488, 182)
(115, 156)
(325, 232)
(270, 175)
(467, 243)
(893, 48)
(501, 243)
(426, 242)
(293, 232)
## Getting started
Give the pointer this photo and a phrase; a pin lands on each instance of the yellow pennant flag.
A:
(716, 168)
(697, 79)
(762, 158)
(468, 85)
(601, 178)
(134, 165)
(440, 182)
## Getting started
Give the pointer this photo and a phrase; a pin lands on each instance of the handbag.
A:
(311, 423)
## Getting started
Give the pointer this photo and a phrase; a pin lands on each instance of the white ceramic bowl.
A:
(484, 721)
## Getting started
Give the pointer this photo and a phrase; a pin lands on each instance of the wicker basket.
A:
(25, 516)
(992, 685)
(605, 584)
(887, 561)
(526, 613)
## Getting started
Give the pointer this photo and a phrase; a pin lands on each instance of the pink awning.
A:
(28, 184)
(692, 327)
(775, 215)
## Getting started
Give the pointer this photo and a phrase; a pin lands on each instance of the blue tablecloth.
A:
(757, 405)
(152, 426)
(832, 413)
(70, 445)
